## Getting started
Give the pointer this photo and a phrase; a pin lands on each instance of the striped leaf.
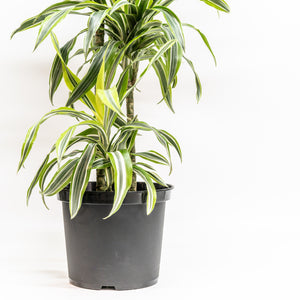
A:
(174, 24)
(63, 142)
(59, 5)
(31, 22)
(118, 4)
(49, 23)
(111, 99)
(72, 80)
(122, 167)
(101, 163)
(28, 143)
(153, 156)
(218, 4)
(161, 72)
(80, 179)
(204, 38)
(94, 23)
(171, 141)
(36, 178)
(151, 191)
(61, 178)
(50, 166)
(155, 177)
(32, 132)
(158, 54)
(197, 80)
(89, 80)
(61, 59)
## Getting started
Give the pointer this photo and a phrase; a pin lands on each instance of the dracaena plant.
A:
(119, 35)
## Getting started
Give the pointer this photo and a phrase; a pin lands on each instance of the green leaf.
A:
(204, 38)
(218, 4)
(56, 72)
(72, 81)
(153, 156)
(80, 179)
(61, 178)
(89, 80)
(101, 163)
(174, 24)
(30, 23)
(151, 191)
(36, 178)
(63, 142)
(58, 6)
(197, 80)
(110, 98)
(28, 143)
(32, 132)
(172, 141)
(49, 23)
(122, 166)
(96, 19)
(158, 54)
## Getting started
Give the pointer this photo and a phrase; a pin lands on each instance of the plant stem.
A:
(100, 178)
(130, 114)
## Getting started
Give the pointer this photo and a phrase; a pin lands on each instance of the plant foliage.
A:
(119, 35)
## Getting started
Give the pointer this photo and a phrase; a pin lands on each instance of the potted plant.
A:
(109, 246)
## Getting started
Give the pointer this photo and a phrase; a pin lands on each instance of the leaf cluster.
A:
(133, 34)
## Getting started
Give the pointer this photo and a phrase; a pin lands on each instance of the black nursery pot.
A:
(122, 252)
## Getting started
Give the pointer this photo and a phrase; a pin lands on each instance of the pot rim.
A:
(93, 197)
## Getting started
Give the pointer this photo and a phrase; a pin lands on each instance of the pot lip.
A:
(92, 197)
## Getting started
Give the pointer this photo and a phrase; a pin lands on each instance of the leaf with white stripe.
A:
(61, 178)
(32, 132)
(153, 156)
(96, 19)
(28, 143)
(122, 166)
(49, 23)
(63, 142)
(197, 80)
(101, 163)
(90, 78)
(174, 24)
(31, 23)
(157, 56)
(80, 179)
(72, 80)
(110, 98)
(218, 4)
(151, 191)
(204, 38)
(36, 178)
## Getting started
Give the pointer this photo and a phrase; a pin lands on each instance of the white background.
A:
(232, 229)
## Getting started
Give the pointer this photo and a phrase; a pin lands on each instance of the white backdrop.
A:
(232, 228)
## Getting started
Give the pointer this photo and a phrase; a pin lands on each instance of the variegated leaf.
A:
(122, 167)
(80, 179)
(153, 156)
(151, 191)
(218, 4)
(61, 178)
(37, 177)
(63, 142)
(95, 21)
(204, 38)
(49, 23)
(110, 98)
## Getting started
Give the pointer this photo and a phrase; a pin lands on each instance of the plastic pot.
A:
(122, 252)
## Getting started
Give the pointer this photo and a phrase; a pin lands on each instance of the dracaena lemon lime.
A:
(118, 36)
